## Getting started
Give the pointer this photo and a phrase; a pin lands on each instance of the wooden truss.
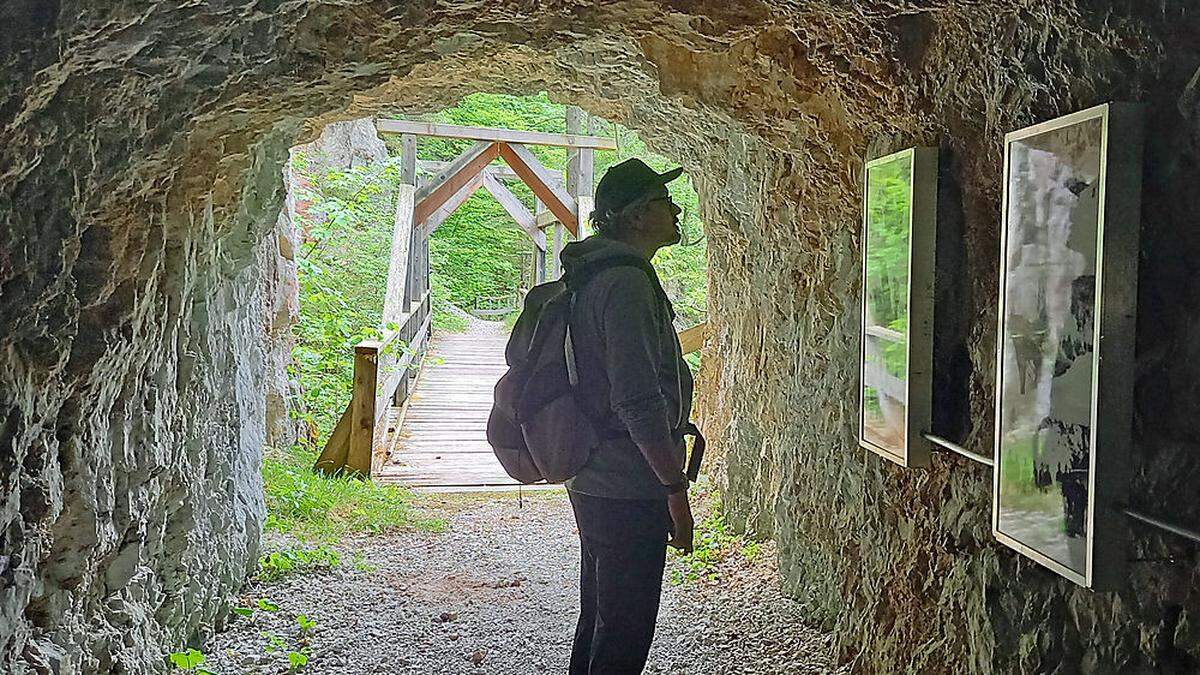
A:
(384, 369)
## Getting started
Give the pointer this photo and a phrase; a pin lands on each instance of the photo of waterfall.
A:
(1045, 386)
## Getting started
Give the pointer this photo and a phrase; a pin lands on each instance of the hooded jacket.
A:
(631, 372)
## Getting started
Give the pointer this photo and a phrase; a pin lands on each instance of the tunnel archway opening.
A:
(476, 252)
(142, 160)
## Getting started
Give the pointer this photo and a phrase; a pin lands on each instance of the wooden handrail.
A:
(378, 378)
(692, 339)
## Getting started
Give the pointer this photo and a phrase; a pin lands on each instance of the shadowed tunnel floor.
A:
(497, 593)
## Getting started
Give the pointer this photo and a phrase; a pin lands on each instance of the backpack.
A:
(540, 427)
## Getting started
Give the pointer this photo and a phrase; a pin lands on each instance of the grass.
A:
(1017, 489)
(315, 508)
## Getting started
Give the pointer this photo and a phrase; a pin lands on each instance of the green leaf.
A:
(243, 611)
(267, 606)
(297, 660)
(187, 660)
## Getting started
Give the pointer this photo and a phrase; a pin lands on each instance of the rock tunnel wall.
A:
(139, 192)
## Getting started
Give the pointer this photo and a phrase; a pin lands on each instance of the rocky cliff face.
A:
(141, 183)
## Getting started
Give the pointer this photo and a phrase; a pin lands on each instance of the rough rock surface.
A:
(140, 180)
(498, 592)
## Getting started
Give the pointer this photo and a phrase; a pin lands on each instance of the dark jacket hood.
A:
(595, 247)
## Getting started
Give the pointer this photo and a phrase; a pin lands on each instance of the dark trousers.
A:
(623, 547)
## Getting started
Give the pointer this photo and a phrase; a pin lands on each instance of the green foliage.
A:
(315, 507)
(342, 268)
(286, 562)
(889, 203)
(305, 623)
(267, 605)
(297, 660)
(478, 252)
(712, 542)
(189, 661)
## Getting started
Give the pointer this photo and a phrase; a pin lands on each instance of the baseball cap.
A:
(623, 183)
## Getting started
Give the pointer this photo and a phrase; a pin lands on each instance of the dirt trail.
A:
(497, 593)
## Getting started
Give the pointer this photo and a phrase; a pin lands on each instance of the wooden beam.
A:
(438, 217)
(408, 159)
(462, 171)
(393, 304)
(515, 209)
(494, 135)
(692, 339)
(449, 169)
(333, 455)
(540, 180)
(498, 171)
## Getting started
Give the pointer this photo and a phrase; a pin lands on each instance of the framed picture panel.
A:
(1065, 347)
(899, 227)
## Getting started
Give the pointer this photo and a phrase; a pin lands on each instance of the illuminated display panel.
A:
(899, 222)
(1067, 299)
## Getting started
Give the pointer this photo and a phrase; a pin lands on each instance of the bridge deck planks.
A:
(442, 445)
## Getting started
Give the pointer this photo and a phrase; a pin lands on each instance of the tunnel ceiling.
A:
(140, 178)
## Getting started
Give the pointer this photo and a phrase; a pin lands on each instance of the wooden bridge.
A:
(420, 420)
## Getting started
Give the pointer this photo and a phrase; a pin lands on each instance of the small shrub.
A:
(305, 623)
(712, 543)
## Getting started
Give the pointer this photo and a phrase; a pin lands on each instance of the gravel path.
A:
(497, 593)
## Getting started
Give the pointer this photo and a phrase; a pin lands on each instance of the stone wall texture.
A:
(140, 184)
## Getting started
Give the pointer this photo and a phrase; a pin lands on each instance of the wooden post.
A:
(556, 251)
(575, 127)
(587, 172)
(539, 255)
(408, 159)
(410, 271)
(425, 262)
(395, 303)
(362, 413)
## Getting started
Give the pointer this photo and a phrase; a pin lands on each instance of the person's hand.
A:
(681, 517)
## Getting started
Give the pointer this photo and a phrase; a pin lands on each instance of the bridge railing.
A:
(384, 370)
(500, 305)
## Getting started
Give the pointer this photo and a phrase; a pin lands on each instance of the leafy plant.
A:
(190, 661)
(305, 623)
(297, 659)
(285, 562)
(267, 606)
(713, 542)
